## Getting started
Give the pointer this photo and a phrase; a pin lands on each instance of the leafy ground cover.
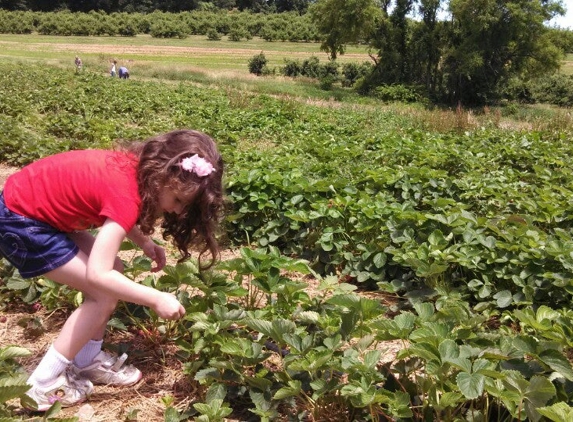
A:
(468, 231)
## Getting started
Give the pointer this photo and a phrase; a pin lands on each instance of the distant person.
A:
(78, 63)
(123, 72)
(112, 71)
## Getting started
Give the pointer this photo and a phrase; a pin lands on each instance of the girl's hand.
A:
(156, 253)
(168, 307)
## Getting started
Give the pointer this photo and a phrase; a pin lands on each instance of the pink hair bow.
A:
(197, 165)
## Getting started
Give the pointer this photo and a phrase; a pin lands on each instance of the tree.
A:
(343, 22)
(13, 4)
(494, 40)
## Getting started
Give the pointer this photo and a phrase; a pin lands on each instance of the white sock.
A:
(50, 367)
(88, 353)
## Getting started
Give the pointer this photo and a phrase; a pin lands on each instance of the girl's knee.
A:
(108, 307)
(105, 304)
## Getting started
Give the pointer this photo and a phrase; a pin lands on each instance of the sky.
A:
(565, 21)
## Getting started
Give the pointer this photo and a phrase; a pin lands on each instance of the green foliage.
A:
(237, 25)
(389, 93)
(490, 58)
(468, 233)
(289, 350)
(258, 64)
(351, 72)
(555, 89)
(16, 22)
(12, 380)
(342, 22)
(166, 28)
(13, 386)
(213, 34)
(312, 68)
(562, 38)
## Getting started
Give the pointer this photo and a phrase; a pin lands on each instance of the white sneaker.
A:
(110, 370)
(67, 389)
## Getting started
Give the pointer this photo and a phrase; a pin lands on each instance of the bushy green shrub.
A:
(258, 64)
(213, 34)
(399, 93)
(238, 33)
(351, 72)
(330, 68)
(291, 68)
(326, 82)
(556, 89)
(517, 89)
(311, 67)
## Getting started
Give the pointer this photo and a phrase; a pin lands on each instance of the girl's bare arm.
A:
(101, 274)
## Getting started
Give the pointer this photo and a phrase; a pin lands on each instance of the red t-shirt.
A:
(77, 190)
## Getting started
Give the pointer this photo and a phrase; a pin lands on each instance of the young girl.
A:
(45, 210)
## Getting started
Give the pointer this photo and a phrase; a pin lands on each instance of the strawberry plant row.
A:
(471, 228)
(361, 194)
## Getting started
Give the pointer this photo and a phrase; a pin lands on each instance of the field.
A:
(195, 57)
(437, 243)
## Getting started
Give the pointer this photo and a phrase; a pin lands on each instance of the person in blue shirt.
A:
(123, 73)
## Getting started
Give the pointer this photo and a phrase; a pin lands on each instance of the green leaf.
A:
(294, 388)
(448, 350)
(53, 410)
(539, 392)
(18, 284)
(12, 352)
(558, 362)
(558, 412)
(216, 391)
(379, 259)
(471, 385)
(171, 415)
(503, 298)
(9, 392)
(424, 310)
(449, 399)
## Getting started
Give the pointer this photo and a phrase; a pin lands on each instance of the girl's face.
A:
(172, 201)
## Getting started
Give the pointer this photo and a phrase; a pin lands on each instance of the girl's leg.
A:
(50, 380)
(84, 329)
(83, 324)
(90, 362)
(92, 346)
(80, 337)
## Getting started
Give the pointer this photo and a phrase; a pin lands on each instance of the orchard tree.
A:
(343, 22)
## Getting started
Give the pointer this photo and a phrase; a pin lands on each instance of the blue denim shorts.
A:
(32, 246)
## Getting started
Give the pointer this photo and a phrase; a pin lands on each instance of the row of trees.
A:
(470, 56)
(289, 26)
(147, 6)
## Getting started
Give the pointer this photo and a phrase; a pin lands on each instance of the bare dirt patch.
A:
(5, 171)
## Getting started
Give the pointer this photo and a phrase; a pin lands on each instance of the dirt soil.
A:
(162, 371)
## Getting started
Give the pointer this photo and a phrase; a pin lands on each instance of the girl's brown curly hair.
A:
(160, 166)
